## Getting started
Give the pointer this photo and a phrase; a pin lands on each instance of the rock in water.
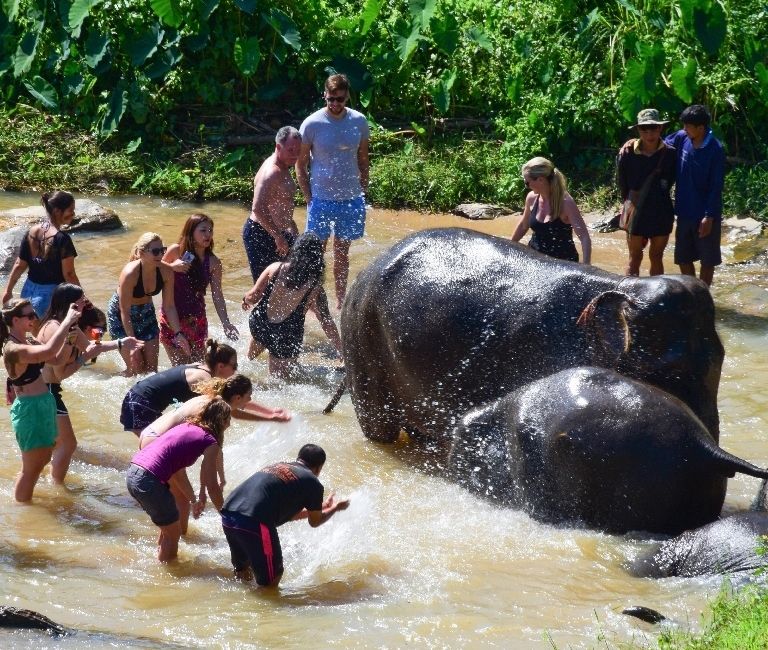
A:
(480, 210)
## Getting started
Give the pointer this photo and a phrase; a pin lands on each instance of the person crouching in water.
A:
(157, 465)
(269, 498)
(282, 295)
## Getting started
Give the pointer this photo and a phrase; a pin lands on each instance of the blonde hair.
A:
(228, 388)
(541, 167)
(141, 245)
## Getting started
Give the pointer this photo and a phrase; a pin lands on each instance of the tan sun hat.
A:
(649, 116)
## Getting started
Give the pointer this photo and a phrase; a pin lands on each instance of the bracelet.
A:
(119, 345)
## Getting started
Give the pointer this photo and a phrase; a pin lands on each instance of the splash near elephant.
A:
(450, 319)
(590, 447)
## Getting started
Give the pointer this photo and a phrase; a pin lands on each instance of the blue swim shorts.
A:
(143, 319)
(153, 496)
(39, 295)
(34, 421)
(136, 412)
(345, 218)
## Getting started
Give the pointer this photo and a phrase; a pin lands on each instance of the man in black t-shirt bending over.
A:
(273, 495)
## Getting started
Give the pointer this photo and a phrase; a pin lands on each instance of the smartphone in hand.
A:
(188, 257)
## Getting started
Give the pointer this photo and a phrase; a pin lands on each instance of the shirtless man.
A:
(270, 229)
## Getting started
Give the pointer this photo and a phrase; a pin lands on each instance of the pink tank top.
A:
(176, 449)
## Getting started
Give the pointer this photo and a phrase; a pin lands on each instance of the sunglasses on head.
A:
(157, 251)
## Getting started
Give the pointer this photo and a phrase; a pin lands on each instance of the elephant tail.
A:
(728, 464)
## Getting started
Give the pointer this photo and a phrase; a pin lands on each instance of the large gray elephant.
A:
(590, 447)
(450, 319)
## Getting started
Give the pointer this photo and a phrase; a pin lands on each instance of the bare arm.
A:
(254, 294)
(173, 260)
(363, 164)
(219, 304)
(16, 353)
(522, 225)
(169, 307)
(319, 517)
(580, 228)
(209, 476)
(68, 270)
(125, 284)
(302, 172)
(319, 306)
(255, 411)
(19, 266)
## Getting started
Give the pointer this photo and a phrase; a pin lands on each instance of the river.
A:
(415, 560)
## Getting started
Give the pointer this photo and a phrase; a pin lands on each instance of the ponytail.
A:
(58, 200)
(216, 352)
(14, 309)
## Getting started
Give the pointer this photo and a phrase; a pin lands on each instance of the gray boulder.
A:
(481, 210)
(89, 217)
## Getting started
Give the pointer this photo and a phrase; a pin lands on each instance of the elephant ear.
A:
(606, 327)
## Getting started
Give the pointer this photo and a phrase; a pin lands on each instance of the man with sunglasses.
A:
(335, 149)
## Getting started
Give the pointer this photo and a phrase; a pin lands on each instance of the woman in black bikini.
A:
(46, 253)
(282, 295)
(551, 214)
(130, 311)
(33, 413)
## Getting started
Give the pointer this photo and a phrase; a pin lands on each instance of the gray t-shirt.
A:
(334, 174)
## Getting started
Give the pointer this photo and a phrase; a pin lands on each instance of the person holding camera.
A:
(195, 267)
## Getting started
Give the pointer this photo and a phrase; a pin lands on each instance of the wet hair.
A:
(63, 296)
(142, 243)
(337, 82)
(228, 388)
(313, 456)
(697, 115)
(91, 317)
(187, 239)
(541, 167)
(216, 352)
(214, 418)
(286, 133)
(13, 310)
(58, 200)
(305, 261)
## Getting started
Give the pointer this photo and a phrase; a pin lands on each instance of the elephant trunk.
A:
(728, 464)
(760, 504)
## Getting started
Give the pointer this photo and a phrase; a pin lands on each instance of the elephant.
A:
(729, 545)
(588, 446)
(450, 319)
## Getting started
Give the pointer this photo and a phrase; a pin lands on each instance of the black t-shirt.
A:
(276, 493)
(47, 269)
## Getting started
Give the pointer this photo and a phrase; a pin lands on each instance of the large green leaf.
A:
(284, 26)
(761, 72)
(707, 20)
(11, 9)
(44, 92)
(442, 91)
(162, 64)
(683, 78)
(446, 34)
(422, 10)
(25, 54)
(95, 48)
(142, 46)
(406, 41)
(79, 11)
(247, 55)
(169, 11)
(73, 84)
(118, 101)
(359, 76)
(370, 14)
(205, 8)
(480, 38)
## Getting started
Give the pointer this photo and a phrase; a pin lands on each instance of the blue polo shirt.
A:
(700, 173)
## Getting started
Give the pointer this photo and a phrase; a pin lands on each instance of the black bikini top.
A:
(32, 372)
(138, 290)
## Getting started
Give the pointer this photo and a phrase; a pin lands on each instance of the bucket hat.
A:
(649, 116)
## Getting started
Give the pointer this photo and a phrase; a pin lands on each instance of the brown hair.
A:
(337, 82)
(225, 388)
(13, 310)
(58, 200)
(214, 418)
(216, 352)
(187, 240)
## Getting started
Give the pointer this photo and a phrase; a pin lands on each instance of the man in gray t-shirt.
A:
(335, 148)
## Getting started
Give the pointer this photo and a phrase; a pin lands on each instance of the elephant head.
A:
(660, 330)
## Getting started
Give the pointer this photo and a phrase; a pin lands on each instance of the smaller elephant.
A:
(728, 545)
(591, 447)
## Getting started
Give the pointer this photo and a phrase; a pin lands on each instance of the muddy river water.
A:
(415, 561)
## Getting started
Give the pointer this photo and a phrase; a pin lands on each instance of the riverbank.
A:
(39, 151)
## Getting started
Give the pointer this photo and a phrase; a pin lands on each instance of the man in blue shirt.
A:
(698, 193)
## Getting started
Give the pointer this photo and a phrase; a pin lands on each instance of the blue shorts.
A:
(153, 496)
(689, 247)
(143, 319)
(137, 413)
(39, 295)
(345, 218)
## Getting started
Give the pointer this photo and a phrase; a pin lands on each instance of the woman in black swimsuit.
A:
(33, 413)
(282, 295)
(551, 214)
(131, 312)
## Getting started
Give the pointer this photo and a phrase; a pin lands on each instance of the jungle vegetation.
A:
(459, 92)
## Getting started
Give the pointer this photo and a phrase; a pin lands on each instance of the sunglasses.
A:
(336, 99)
(157, 251)
(30, 314)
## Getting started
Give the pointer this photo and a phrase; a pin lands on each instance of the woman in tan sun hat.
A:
(646, 173)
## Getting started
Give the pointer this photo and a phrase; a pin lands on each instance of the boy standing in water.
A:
(698, 194)
(273, 495)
